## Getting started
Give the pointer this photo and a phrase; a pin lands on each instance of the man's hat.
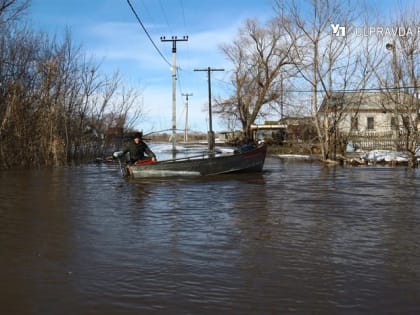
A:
(138, 135)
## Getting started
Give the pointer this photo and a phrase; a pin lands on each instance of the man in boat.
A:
(137, 150)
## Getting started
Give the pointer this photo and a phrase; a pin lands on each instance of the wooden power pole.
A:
(210, 133)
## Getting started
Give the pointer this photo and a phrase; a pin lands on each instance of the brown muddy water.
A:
(298, 238)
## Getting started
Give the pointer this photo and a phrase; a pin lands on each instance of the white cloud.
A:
(126, 49)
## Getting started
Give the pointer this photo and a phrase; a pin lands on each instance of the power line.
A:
(162, 8)
(147, 33)
(167, 22)
(188, 50)
(183, 14)
(355, 90)
(178, 79)
(374, 89)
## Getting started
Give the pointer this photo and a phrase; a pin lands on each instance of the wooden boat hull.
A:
(251, 160)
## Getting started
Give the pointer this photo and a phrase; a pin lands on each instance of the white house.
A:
(363, 117)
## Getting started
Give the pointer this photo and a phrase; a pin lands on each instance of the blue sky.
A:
(109, 31)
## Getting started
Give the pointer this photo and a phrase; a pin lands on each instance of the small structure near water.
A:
(380, 157)
(374, 157)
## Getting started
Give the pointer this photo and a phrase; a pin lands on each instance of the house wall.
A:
(381, 122)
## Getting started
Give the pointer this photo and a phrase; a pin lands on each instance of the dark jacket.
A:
(137, 151)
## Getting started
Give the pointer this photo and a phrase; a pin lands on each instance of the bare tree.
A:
(12, 10)
(259, 56)
(53, 103)
(401, 86)
(326, 61)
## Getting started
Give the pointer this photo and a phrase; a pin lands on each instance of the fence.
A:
(371, 140)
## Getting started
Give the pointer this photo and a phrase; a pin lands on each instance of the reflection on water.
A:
(298, 238)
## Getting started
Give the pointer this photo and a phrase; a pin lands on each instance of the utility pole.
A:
(186, 115)
(281, 96)
(174, 40)
(210, 133)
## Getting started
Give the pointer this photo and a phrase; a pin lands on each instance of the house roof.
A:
(357, 101)
(296, 120)
(367, 102)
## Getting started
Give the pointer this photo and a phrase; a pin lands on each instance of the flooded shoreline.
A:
(297, 238)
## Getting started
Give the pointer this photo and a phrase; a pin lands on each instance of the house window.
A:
(354, 123)
(370, 123)
(406, 121)
(394, 123)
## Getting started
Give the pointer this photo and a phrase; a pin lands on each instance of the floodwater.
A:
(298, 238)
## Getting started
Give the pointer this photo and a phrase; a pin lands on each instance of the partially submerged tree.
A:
(259, 56)
(54, 104)
(401, 85)
(328, 62)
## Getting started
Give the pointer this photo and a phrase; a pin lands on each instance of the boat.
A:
(248, 158)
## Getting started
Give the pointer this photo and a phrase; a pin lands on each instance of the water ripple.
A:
(298, 238)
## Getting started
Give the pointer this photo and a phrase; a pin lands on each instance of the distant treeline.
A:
(55, 105)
